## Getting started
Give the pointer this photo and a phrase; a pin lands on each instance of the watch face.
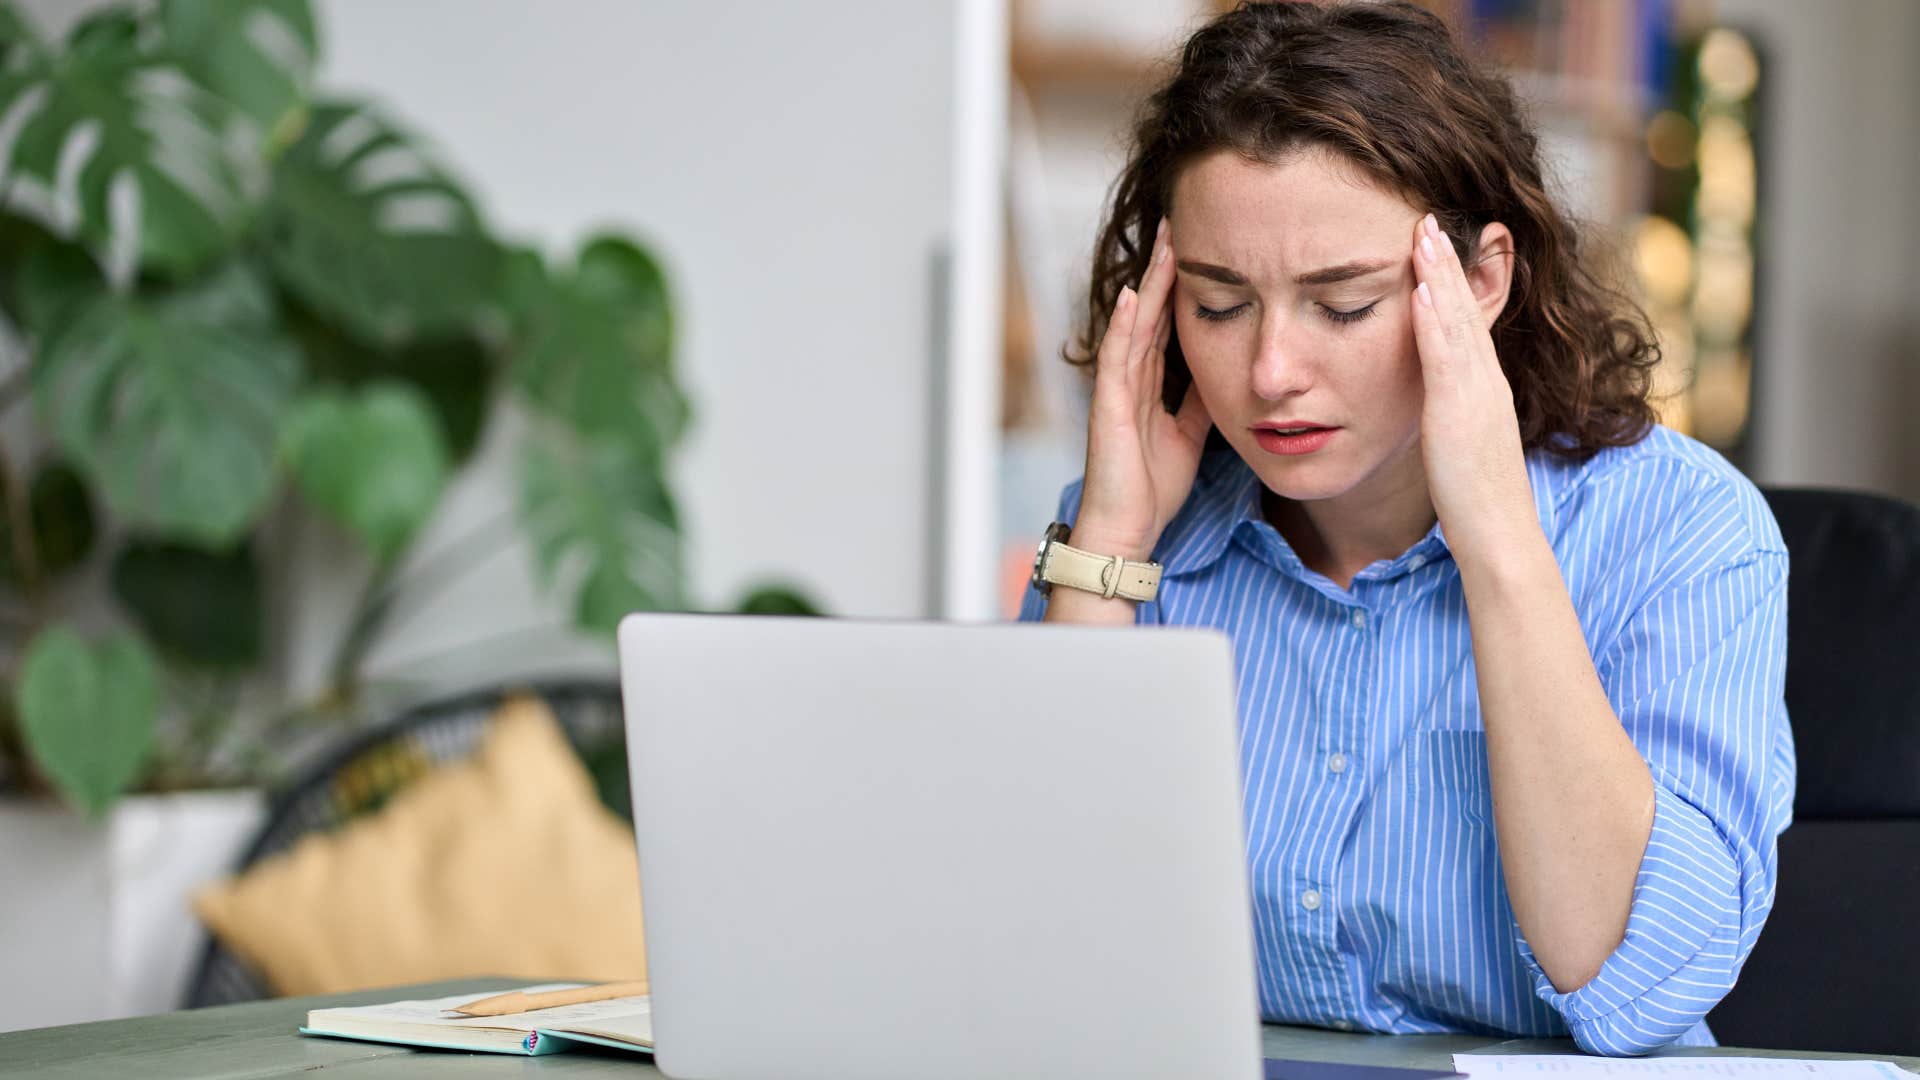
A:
(1056, 531)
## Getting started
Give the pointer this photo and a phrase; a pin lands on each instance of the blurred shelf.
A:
(1101, 65)
(1614, 109)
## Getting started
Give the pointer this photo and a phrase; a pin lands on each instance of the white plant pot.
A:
(95, 922)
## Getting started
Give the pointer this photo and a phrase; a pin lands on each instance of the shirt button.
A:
(1415, 563)
(1337, 762)
(1343, 1025)
(1310, 900)
(1359, 619)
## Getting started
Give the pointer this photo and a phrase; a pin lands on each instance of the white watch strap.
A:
(1107, 575)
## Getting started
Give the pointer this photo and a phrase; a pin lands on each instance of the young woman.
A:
(1510, 653)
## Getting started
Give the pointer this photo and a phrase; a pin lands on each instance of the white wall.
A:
(792, 165)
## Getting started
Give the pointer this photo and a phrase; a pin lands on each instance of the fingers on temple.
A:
(1156, 288)
(1113, 346)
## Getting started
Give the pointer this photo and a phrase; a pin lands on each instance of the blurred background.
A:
(1744, 163)
(357, 359)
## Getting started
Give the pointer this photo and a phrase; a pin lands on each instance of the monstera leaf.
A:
(594, 345)
(59, 519)
(776, 599)
(88, 713)
(205, 608)
(456, 374)
(375, 463)
(117, 145)
(593, 510)
(172, 405)
(43, 274)
(364, 230)
(54, 281)
(256, 54)
(591, 351)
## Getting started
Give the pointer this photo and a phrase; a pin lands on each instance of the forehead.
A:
(1313, 209)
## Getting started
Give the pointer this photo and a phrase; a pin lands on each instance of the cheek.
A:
(1410, 381)
(1210, 354)
(1390, 361)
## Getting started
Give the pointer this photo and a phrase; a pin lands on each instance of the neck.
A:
(1342, 535)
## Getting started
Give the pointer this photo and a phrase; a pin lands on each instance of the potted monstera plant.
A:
(221, 295)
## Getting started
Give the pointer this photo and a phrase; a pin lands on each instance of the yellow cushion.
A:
(503, 864)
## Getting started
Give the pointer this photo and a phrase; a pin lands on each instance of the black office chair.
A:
(362, 775)
(1836, 966)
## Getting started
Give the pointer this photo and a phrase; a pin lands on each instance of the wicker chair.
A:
(380, 761)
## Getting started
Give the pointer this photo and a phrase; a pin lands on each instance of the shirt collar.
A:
(1226, 500)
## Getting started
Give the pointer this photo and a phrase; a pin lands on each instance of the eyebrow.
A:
(1331, 275)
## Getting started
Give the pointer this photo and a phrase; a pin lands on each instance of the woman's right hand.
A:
(1141, 459)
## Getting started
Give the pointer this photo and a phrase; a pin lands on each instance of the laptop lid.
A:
(920, 851)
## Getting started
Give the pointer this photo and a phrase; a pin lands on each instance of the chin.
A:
(1300, 489)
(1303, 481)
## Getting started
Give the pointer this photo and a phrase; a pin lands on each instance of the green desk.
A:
(258, 1040)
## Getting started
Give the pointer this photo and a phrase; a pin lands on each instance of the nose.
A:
(1280, 366)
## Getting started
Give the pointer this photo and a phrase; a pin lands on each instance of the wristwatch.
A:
(1108, 575)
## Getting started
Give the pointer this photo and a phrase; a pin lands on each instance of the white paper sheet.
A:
(1582, 1067)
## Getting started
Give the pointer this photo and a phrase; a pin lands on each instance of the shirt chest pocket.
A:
(1444, 757)
(1444, 778)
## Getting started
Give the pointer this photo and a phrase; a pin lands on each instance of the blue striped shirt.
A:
(1378, 899)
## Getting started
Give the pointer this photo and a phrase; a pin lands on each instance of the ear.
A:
(1491, 276)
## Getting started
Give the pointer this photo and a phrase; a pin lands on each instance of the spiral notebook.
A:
(621, 1023)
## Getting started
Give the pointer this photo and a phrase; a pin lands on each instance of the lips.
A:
(1306, 440)
(1294, 428)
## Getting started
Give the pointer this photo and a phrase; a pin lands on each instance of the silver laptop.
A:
(926, 851)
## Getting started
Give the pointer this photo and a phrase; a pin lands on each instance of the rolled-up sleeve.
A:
(1696, 677)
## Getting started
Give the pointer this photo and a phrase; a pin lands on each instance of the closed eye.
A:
(1211, 315)
(1354, 316)
(1333, 315)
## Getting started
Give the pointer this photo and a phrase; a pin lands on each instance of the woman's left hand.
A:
(1469, 432)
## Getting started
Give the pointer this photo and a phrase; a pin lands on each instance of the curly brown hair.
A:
(1386, 85)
